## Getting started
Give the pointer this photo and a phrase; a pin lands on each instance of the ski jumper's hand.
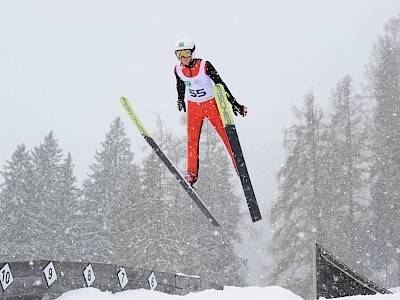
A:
(239, 109)
(181, 105)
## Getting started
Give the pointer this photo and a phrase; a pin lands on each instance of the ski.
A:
(186, 186)
(227, 119)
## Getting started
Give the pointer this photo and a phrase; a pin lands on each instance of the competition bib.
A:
(198, 88)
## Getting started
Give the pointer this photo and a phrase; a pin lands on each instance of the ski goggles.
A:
(183, 53)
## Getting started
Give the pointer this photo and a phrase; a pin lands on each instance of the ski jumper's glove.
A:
(238, 109)
(181, 105)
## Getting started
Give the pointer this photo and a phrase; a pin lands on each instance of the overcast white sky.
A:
(65, 63)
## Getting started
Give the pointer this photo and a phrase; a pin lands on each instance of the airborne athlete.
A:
(194, 82)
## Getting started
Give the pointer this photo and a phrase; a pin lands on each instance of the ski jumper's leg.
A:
(213, 115)
(195, 117)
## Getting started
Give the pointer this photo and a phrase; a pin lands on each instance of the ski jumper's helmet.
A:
(185, 44)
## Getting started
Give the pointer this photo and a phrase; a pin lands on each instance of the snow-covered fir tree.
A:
(384, 80)
(44, 214)
(15, 201)
(109, 190)
(297, 215)
(345, 193)
(37, 200)
(157, 230)
(68, 199)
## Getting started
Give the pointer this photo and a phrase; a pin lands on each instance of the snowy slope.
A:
(229, 293)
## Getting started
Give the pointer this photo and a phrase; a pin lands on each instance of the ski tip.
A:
(133, 116)
(124, 101)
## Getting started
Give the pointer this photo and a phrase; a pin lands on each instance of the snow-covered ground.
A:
(229, 293)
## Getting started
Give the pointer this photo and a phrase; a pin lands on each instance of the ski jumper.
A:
(195, 83)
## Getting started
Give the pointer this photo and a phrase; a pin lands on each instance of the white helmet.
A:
(185, 44)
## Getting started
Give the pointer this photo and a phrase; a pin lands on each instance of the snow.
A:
(228, 293)
(231, 293)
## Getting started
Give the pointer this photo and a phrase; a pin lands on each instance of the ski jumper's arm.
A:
(212, 72)
(180, 87)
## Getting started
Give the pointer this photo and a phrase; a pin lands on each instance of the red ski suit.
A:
(197, 111)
